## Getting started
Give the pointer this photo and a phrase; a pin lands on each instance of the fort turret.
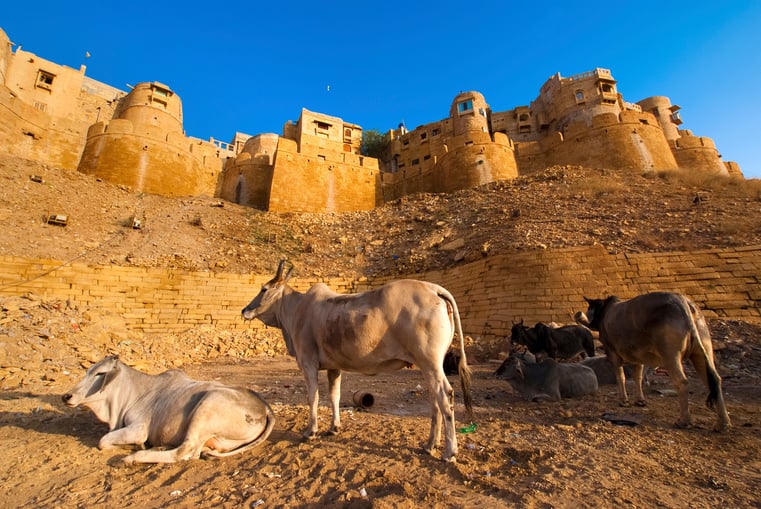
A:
(469, 113)
(144, 147)
(153, 108)
(667, 115)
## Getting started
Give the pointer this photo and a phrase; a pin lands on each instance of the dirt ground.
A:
(533, 455)
(536, 455)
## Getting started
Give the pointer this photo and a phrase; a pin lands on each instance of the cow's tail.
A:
(714, 380)
(243, 448)
(463, 370)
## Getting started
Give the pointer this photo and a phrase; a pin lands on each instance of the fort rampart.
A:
(491, 293)
(56, 115)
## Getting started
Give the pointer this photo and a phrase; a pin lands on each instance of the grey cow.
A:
(171, 410)
(402, 323)
(548, 379)
(658, 329)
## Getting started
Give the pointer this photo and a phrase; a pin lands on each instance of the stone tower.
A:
(469, 113)
(153, 109)
(144, 147)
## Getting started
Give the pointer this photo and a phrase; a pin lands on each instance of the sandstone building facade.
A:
(57, 115)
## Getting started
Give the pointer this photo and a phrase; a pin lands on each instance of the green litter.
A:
(468, 429)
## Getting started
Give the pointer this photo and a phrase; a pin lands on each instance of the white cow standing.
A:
(172, 410)
(402, 323)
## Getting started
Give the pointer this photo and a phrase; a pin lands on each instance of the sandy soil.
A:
(521, 454)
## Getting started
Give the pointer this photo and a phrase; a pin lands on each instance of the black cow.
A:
(451, 363)
(556, 342)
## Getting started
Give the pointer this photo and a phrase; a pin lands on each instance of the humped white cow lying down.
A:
(171, 410)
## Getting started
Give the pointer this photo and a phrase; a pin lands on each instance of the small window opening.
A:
(465, 106)
(45, 79)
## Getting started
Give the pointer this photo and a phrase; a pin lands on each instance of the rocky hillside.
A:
(559, 207)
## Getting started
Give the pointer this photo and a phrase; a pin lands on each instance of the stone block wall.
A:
(310, 184)
(31, 134)
(491, 294)
(149, 300)
(546, 286)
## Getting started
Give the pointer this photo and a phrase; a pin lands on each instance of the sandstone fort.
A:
(55, 114)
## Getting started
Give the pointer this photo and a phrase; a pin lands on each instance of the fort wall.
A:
(55, 115)
(144, 147)
(46, 108)
(697, 153)
(305, 183)
(316, 166)
(31, 134)
(474, 160)
(491, 293)
(247, 179)
(631, 141)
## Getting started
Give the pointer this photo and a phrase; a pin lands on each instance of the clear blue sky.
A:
(252, 66)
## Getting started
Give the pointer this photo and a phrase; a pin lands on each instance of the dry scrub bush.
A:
(709, 181)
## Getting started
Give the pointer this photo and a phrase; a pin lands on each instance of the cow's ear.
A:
(110, 377)
(288, 274)
(520, 371)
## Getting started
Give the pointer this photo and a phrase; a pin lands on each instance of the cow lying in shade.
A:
(548, 379)
(563, 342)
(658, 329)
(171, 410)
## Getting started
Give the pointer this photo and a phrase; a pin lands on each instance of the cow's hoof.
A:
(641, 402)
(683, 425)
(333, 431)
(450, 459)
(625, 404)
(309, 435)
(721, 427)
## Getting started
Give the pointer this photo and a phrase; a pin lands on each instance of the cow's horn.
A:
(280, 267)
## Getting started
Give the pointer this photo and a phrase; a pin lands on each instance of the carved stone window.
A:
(465, 106)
